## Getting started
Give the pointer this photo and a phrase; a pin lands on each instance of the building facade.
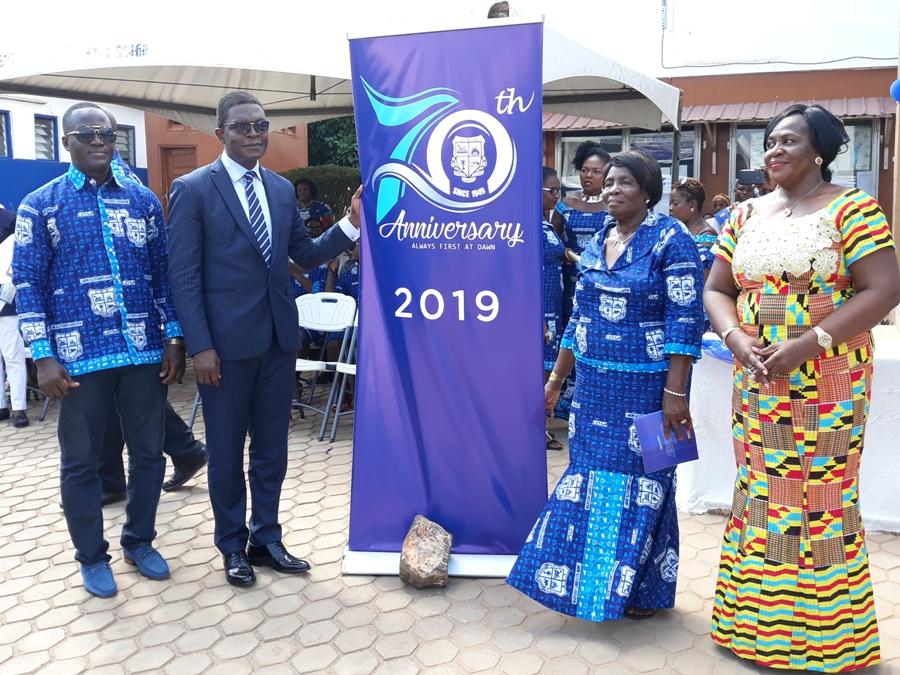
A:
(723, 120)
(31, 150)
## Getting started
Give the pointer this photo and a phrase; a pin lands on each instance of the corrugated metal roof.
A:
(870, 106)
(560, 122)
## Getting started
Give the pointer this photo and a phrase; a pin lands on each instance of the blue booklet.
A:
(659, 452)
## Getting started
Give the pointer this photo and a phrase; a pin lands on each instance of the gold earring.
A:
(819, 161)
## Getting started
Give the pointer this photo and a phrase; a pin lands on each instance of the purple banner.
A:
(449, 407)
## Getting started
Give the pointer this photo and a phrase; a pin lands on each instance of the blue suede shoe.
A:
(98, 579)
(148, 560)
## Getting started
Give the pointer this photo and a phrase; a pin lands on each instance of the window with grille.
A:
(4, 134)
(125, 144)
(45, 137)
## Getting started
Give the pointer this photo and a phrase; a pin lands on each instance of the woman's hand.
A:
(552, 390)
(783, 357)
(748, 350)
(676, 417)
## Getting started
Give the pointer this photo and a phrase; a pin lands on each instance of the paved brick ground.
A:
(196, 623)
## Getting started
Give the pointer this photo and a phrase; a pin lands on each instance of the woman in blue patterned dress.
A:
(606, 544)
(316, 215)
(577, 219)
(553, 255)
(686, 204)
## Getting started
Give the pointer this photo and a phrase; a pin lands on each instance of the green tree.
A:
(333, 142)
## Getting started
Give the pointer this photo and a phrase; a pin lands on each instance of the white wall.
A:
(22, 110)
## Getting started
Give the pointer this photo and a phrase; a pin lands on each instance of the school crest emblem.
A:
(668, 568)
(136, 230)
(569, 488)
(613, 308)
(552, 579)
(650, 493)
(23, 231)
(626, 581)
(103, 301)
(681, 290)
(137, 331)
(68, 345)
(656, 341)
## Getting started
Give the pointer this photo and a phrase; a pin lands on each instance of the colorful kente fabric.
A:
(607, 539)
(553, 250)
(793, 589)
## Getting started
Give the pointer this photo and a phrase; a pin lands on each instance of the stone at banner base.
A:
(425, 554)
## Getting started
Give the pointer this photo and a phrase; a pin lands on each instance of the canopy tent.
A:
(298, 79)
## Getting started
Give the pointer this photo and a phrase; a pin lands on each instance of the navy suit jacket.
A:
(225, 296)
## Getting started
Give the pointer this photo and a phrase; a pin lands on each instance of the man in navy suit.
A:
(233, 227)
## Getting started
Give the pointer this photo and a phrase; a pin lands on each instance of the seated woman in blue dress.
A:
(577, 218)
(311, 209)
(553, 253)
(606, 543)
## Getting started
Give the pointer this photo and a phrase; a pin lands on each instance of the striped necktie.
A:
(257, 220)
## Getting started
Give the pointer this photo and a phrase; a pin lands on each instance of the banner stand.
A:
(461, 564)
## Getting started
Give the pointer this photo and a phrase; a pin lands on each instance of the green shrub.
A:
(336, 184)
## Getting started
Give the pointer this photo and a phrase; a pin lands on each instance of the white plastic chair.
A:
(345, 367)
(328, 313)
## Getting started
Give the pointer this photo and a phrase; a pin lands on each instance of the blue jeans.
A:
(83, 414)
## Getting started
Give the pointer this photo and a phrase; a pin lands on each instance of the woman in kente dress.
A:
(606, 543)
(577, 219)
(802, 275)
(553, 252)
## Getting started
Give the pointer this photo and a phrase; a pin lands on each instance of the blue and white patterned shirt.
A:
(90, 266)
(646, 307)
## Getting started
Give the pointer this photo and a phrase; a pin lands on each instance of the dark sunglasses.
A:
(87, 134)
(552, 191)
(243, 128)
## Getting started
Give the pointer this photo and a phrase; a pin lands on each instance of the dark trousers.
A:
(179, 444)
(140, 398)
(254, 396)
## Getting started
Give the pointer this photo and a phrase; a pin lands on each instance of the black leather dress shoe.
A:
(184, 473)
(237, 570)
(277, 557)
(108, 498)
(19, 419)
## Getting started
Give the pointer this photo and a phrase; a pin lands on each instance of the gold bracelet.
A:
(554, 377)
(177, 341)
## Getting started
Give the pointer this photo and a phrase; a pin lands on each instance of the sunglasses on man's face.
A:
(87, 134)
(552, 190)
(243, 128)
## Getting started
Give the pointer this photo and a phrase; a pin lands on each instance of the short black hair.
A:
(645, 170)
(691, 190)
(547, 172)
(231, 99)
(313, 188)
(83, 105)
(589, 149)
(825, 130)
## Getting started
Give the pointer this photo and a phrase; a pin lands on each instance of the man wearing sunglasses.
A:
(90, 268)
(233, 225)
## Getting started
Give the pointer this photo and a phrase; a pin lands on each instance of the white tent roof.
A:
(299, 76)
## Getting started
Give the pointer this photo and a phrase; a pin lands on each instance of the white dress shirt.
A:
(236, 173)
